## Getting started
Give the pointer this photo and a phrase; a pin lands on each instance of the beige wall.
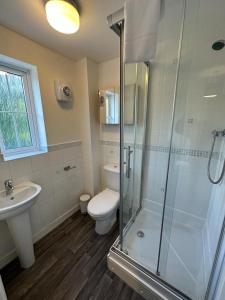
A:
(93, 71)
(60, 193)
(87, 80)
(62, 123)
(60, 190)
(109, 73)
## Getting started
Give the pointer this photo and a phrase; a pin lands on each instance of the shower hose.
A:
(215, 135)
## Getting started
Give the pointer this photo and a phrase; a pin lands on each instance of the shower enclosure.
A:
(172, 210)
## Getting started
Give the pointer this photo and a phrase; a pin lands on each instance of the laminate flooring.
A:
(70, 264)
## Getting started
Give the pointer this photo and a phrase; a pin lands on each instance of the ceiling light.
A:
(62, 16)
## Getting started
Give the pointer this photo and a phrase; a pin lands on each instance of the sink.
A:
(22, 197)
(14, 209)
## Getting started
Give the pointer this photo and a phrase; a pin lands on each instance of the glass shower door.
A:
(134, 129)
(129, 120)
(194, 207)
(134, 116)
(150, 143)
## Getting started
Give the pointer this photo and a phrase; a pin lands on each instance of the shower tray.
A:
(141, 280)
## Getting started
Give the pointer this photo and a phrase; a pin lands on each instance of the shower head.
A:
(218, 45)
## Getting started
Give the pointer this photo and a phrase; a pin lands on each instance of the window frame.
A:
(34, 109)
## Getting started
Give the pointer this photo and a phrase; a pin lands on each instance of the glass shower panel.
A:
(146, 193)
(135, 107)
(128, 139)
(194, 207)
(141, 93)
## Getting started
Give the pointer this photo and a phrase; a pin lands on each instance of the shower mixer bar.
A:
(215, 133)
(128, 154)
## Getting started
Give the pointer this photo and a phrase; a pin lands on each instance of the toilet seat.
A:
(103, 204)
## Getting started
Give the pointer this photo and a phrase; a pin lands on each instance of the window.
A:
(22, 131)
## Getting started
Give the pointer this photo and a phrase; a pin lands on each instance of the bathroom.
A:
(112, 149)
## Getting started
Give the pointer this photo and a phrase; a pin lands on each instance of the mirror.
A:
(109, 106)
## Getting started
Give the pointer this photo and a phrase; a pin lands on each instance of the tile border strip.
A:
(165, 149)
(60, 146)
(110, 143)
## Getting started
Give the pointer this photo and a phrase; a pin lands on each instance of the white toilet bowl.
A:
(102, 208)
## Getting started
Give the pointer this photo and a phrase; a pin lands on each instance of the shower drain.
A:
(140, 234)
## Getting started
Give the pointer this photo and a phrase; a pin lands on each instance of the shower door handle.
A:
(128, 153)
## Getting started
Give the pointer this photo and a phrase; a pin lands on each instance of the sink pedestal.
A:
(20, 229)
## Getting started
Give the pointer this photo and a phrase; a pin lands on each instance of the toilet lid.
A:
(103, 203)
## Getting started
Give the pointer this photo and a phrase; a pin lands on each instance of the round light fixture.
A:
(62, 16)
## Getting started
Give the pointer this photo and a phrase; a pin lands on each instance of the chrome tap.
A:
(9, 187)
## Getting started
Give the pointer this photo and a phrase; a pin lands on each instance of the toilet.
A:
(103, 206)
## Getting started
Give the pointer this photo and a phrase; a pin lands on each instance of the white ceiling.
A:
(94, 39)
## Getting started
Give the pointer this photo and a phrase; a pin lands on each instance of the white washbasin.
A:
(14, 209)
(22, 197)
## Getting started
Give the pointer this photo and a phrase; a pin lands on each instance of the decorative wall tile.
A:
(159, 148)
(189, 188)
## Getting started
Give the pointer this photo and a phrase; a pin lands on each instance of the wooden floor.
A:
(70, 264)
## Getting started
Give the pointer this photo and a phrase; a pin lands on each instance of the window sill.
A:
(23, 155)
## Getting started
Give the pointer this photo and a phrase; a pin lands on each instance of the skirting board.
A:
(37, 236)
